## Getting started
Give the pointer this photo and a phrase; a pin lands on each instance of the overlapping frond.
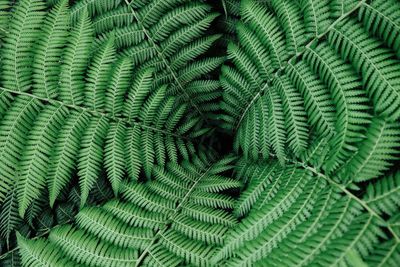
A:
(115, 115)
(341, 77)
(305, 215)
(170, 225)
(75, 105)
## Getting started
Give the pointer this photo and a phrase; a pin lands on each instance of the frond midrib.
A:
(96, 113)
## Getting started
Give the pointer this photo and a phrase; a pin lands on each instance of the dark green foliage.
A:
(117, 118)
(75, 105)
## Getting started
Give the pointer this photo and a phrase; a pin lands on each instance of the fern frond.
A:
(246, 67)
(276, 124)
(382, 18)
(182, 15)
(186, 35)
(9, 216)
(114, 127)
(216, 183)
(91, 155)
(140, 196)
(255, 48)
(195, 252)
(151, 105)
(317, 99)
(277, 230)
(137, 93)
(192, 50)
(132, 149)
(267, 28)
(386, 254)
(93, 8)
(117, 87)
(208, 233)
(198, 68)
(213, 200)
(17, 49)
(14, 129)
(114, 18)
(341, 7)
(135, 216)
(62, 160)
(360, 237)
(262, 178)
(375, 64)
(147, 155)
(317, 152)
(114, 159)
(5, 13)
(351, 102)
(48, 51)
(98, 75)
(295, 115)
(124, 37)
(161, 256)
(86, 249)
(290, 19)
(33, 166)
(39, 253)
(255, 223)
(383, 195)
(376, 153)
(104, 226)
(316, 16)
(75, 59)
(155, 10)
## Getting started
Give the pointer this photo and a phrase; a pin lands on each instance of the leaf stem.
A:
(347, 192)
(94, 112)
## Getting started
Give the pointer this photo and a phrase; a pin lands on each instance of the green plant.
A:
(111, 113)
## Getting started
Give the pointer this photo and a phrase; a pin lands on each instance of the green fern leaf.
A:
(38, 253)
(316, 16)
(276, 124)
(93, 8)
(90, 156)
(376, 152)
(386, 254)
(63, 158)
(382, 195)
(341, 7)
(382, 18)
(295, 115)
(48, 51)
(132, 151)
(33, 166)
(267, 28)
(14, 129)
(75, 60)
(103, 225)
(380, 75)
(118, 86)
(9, 216)
(317, 100)
(17, 52)
(98, 75)
(137, 93)
(114, 158)
(288, 14)
(351, 102)
(86, 249)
